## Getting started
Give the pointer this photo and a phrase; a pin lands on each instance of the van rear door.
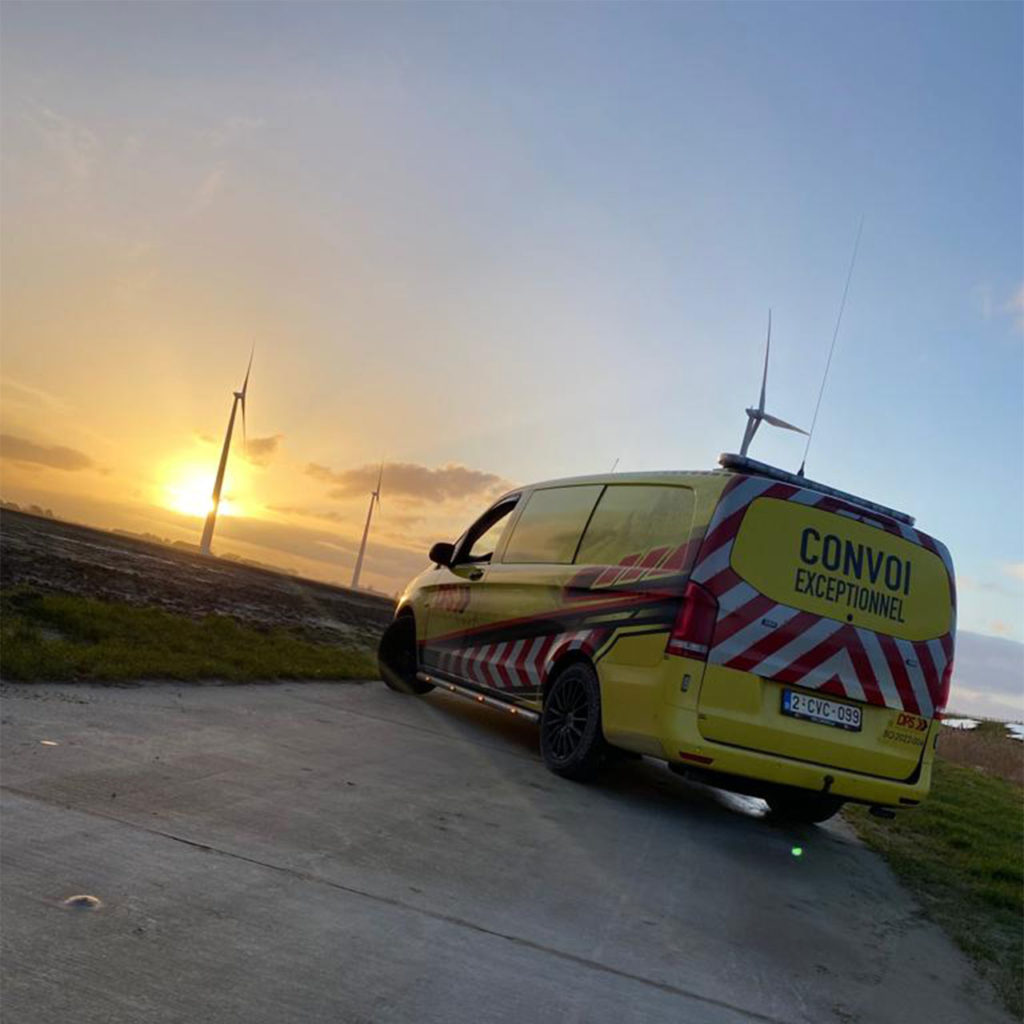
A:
(825, 600)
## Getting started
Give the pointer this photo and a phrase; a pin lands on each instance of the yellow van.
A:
(758, 630)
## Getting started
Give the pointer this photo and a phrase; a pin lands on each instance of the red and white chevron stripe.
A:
(516, 665)
(776, 641)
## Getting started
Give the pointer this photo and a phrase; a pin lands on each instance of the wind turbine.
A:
(211, 516)
(374, 497)
(755, 416)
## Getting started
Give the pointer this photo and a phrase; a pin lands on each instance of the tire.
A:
(803, 807)
(571, 741)
(396, 658)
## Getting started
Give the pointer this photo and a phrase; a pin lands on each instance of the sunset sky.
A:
(494, 243)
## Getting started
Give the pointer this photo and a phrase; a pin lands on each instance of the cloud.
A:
(1015, 307)
(234, 129)
(209, 188)
(1014, 569)
(29, 453)
(26, 395)
(331, 548)
(411, 482)
(399, 521)
(260, 450)
(988, 676)
(76, 146)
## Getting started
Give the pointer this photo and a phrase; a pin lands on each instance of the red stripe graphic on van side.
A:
(650, 561)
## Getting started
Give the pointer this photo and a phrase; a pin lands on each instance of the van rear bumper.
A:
(684, 745)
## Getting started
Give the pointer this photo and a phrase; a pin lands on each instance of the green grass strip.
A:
(962, 855)
(62, 637)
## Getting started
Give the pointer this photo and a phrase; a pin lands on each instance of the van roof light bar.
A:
(743, 464)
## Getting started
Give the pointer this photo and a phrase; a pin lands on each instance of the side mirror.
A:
(442, 553)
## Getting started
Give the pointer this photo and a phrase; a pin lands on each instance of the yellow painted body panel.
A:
(747, 715)
(830, 565)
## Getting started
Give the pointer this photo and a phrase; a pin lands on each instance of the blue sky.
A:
(524, 239)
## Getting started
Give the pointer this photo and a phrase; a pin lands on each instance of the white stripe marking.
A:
(513, 656)
(494, 653)
(712, 564)
(841, 666)
(752, 634)
(917, 682)
(733, 600)
(880, 666)
(799, 645)
(532, 665)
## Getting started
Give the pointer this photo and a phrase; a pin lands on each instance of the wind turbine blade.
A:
(776, 422)
(245, 383)
(767, 350)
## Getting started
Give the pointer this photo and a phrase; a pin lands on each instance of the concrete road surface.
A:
(318, 852)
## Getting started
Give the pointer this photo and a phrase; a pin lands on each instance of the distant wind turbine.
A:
(211, 516)
(374, 498)
(755, 416)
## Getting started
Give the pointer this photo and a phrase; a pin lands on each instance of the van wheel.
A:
(396, 657)
(571, 741)
(801, 807)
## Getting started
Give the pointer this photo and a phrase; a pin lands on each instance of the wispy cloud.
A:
(27, 395)
(30, 453)
(1015, 308)
(1014, 569)
(234, 129)
(260, 450)
(210, 187)
(409, 481)
(401, 521)
(75, 145)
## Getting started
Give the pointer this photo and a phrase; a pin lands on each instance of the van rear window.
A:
(633, 519)
(550, 527)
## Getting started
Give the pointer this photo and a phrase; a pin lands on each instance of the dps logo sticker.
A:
(906, 729)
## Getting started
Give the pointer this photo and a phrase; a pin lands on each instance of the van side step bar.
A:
(480, 698)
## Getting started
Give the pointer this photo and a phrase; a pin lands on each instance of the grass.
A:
(988, 747)
(63, 637)
(962, 855)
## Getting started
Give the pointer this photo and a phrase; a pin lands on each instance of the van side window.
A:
(550, 527)
(633, 519)
(481, 540)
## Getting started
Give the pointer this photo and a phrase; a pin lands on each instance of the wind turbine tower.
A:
(374, 498)
(211, 516)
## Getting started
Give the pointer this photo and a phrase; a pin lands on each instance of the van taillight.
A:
(695, 624)
(947, 678)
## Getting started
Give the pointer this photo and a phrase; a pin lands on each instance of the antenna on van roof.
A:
(835, 334)
(755, 416)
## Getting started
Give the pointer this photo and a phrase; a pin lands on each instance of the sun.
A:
(188, 490)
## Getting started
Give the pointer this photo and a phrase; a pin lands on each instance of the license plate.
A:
(821, 709)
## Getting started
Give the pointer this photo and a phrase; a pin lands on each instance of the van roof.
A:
(731, 464)
(751, 467)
